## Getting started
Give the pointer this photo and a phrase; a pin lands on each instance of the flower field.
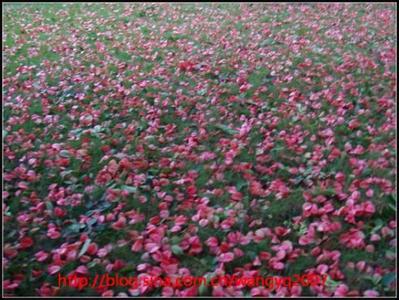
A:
(204, 140)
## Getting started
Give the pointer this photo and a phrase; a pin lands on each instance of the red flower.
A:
(255, 188)
(25, 242)
(92, 249)
(121, 223)
(137, 246)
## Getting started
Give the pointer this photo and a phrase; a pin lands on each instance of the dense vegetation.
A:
(199, 139)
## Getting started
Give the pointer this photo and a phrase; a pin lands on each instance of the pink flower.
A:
(47, 290)
(175, 229)
(354, 238)
(141, 267)
(368, 207)
(322, 269)
(41, 256)
(280, 255)
(195, 245)
(151, 247)
(10, 285)
(340, 177)
(52, 269)
(371, 293)
(369, 193)
(82, 270)
(305, 240)
(277, 265)
(361, 265)
(226, 257)
(255, 188)
(207, 156)
(102, 252)
(212, 242)
(341, 290)
(167, 291)
(278, 186)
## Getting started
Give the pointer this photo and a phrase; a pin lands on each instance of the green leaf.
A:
(392, 207)
(91, 264)
(202, 92)
(64, 153)
(176, 250)
(74, 228)
(226, 129)
(84, 247)
(175, 240)
(241, 184)
(303, 229)
(375, 280)
(130, 189)
(378, 225)
(387, 279)
(251, 254)
(104, 206)
(90, 212)
(92, 221)
(332, 283)
(203, 289)
(97, 128)
(49, 206)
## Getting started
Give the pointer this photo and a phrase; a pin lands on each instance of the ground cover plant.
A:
(199, 139)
